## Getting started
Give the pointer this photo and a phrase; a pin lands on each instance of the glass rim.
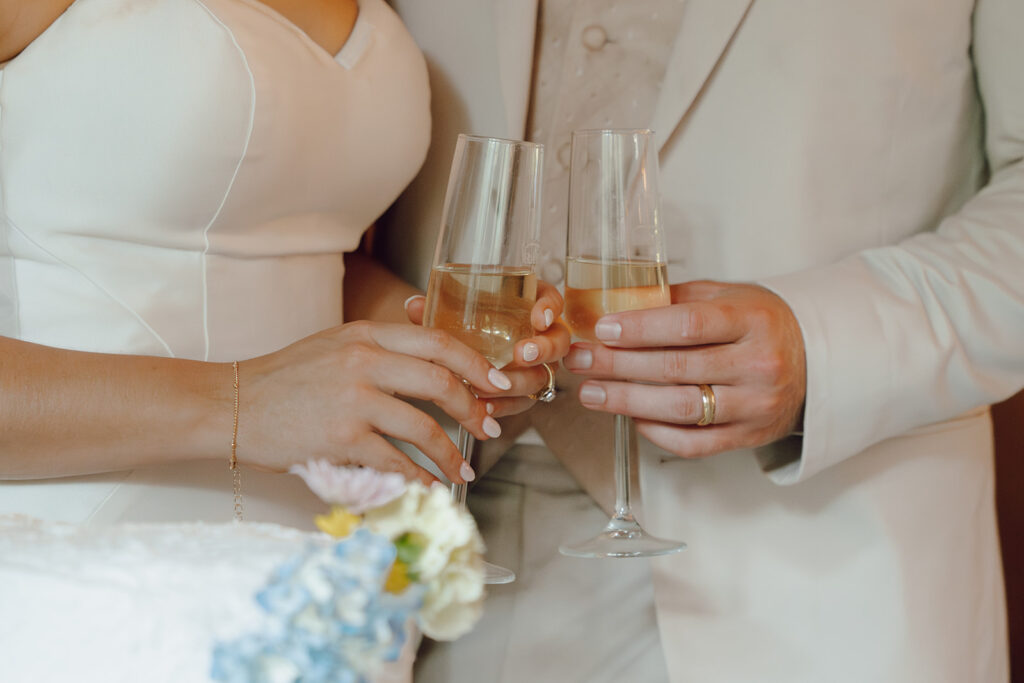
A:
(506, 141)
(612, 131)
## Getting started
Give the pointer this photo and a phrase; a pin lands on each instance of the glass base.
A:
(623, 537)
(494, 575)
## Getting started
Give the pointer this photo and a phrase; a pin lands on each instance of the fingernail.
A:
(549, 317)
(499, 379)
(466, 472)
(530, 351)
(492, 428)
(608, 331)
(579, 359)
(593, 394)
(414, 296)
(490, 408)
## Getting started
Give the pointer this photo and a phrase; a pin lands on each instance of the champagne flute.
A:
(482, 283)
(615, 262)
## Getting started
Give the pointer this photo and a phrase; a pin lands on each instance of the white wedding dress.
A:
(181, 178)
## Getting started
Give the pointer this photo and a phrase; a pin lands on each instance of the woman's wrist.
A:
(207, 418)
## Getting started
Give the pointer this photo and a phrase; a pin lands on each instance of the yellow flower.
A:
(398, 580)
(340, 523)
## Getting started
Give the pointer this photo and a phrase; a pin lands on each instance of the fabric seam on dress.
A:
(278, 18)
(107, 498)
(15, 305)
(95, 284)
(234, 176)
(357, 43)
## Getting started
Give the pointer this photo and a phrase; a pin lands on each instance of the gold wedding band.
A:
(707, 399)
(547, 394)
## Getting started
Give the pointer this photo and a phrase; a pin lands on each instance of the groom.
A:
(858, 166)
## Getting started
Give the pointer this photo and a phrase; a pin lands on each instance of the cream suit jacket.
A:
(863, 160)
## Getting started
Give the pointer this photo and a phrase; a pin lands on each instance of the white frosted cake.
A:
(144, 602)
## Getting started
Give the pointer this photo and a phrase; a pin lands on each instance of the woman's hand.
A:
(333, 396)
(525, 371)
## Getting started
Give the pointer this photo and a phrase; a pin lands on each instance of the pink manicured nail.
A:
(499, 379)
(490, 408)
(593, 394)
(492, 428)
(466, 472)
(530, 351)
(549, 317)
(579, 359)
(607, 331)
(414, 296)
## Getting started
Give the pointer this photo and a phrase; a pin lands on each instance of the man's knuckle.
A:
(772, 365)
(761, 317)
(774, 403)
(682, 406)
(696, 323)
(675, 366)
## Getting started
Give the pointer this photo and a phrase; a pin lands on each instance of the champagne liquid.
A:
(485, 307)
(594, 288)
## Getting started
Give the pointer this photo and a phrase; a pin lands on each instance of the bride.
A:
(184, 184)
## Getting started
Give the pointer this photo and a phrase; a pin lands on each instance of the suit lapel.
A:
(515, 25)
(707, 29)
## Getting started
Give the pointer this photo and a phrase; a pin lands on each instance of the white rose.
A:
(451, 564)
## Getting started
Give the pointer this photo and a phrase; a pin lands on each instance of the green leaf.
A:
(410, 546)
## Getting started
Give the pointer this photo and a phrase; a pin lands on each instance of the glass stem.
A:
(623, 451)
(465, 444)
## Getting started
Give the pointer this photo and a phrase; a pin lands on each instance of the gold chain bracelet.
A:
(236, 472)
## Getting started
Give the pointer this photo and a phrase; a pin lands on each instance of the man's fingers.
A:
(690, 324)
(677, 404)
(714, 364)
(692, 442)
(696, 290)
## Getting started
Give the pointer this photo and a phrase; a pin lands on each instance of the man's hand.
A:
(743, 340)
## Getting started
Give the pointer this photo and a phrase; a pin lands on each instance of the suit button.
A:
(594, 37)
(552, 271)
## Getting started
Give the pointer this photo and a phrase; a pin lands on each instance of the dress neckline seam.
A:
(321, 51)
(257, 6)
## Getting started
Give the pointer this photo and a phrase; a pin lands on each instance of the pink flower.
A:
(358, 489)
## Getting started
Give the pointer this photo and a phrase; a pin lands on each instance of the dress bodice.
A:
(181, 178)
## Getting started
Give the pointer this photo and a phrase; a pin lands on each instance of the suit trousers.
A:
(564, 620)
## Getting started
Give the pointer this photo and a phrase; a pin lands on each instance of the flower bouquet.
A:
(404, 555)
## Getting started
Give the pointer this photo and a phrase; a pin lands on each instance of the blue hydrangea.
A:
(332, 622)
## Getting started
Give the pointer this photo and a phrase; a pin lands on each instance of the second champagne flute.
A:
(615, 262)
(482, 283)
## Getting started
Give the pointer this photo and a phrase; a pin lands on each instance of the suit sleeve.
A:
(922, 331)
